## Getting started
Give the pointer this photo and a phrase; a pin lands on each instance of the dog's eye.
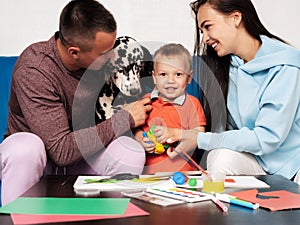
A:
(137, 67)
(119, 69)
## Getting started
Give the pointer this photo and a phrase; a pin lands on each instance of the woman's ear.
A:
(74, 52)
(237, 17)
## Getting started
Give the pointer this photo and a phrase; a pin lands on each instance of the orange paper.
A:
(273, 200)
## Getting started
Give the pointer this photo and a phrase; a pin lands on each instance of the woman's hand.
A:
(186, 142)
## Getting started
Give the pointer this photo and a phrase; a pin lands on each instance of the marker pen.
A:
(219, 203)
(236, 201)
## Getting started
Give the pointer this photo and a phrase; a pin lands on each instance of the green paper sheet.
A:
(67, 206)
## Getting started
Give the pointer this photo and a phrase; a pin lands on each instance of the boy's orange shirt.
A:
(187, 115)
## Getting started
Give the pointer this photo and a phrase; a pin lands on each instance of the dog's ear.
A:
(117, 43)
(107, 70)
(147, 63)
(146, 71)
(147, 54)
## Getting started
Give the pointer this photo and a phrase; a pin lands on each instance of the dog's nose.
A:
(135, 91)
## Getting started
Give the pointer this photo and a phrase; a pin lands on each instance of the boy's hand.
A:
(162, 134)
(146, 142)
(148, 145)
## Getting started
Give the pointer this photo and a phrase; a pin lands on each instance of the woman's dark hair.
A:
(80, 20)
(219, 66)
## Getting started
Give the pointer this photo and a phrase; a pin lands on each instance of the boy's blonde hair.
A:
(173, 49)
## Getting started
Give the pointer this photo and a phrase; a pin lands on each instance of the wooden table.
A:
(205, 213)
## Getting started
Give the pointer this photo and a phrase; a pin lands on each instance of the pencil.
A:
(187, 158)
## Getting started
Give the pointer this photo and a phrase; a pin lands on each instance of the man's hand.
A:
(138, 110)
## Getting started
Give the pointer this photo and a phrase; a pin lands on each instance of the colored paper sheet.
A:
(273, 200)
(67, 206)
(231, 182)
(24, 219)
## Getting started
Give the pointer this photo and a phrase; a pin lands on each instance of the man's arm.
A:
(46, 115)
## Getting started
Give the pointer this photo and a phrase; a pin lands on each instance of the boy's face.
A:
(170, 77)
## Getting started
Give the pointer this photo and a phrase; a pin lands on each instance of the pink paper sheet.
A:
(132, 210)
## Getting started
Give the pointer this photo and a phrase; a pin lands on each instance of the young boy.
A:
(171, 106)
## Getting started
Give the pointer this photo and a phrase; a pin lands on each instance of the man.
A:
(53, 94)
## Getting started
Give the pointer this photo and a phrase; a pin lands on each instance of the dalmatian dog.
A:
(130, 62)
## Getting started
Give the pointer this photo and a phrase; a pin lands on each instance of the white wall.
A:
(25, 22)
(149, 21)
(281, 18)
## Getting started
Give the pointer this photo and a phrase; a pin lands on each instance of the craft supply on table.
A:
(127, 176)
(61, 206)
(234, 200)
(230, 182)
(181, 178)
(214, 182)
(153, 198)
(186, 195)
(272, 200)
(180, 194)
(189, 159)
(192, 182)
(219, 203)
(92, 184)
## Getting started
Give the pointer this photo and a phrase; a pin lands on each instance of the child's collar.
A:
(179, 100)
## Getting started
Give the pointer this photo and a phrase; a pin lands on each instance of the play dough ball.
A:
(193, 182)
(179, 178)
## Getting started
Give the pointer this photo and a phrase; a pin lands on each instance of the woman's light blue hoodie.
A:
(263, 100)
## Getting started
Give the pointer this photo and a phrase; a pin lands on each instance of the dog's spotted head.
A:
(125, 65)
(127, 76)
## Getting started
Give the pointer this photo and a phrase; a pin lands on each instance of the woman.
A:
(259, 76)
